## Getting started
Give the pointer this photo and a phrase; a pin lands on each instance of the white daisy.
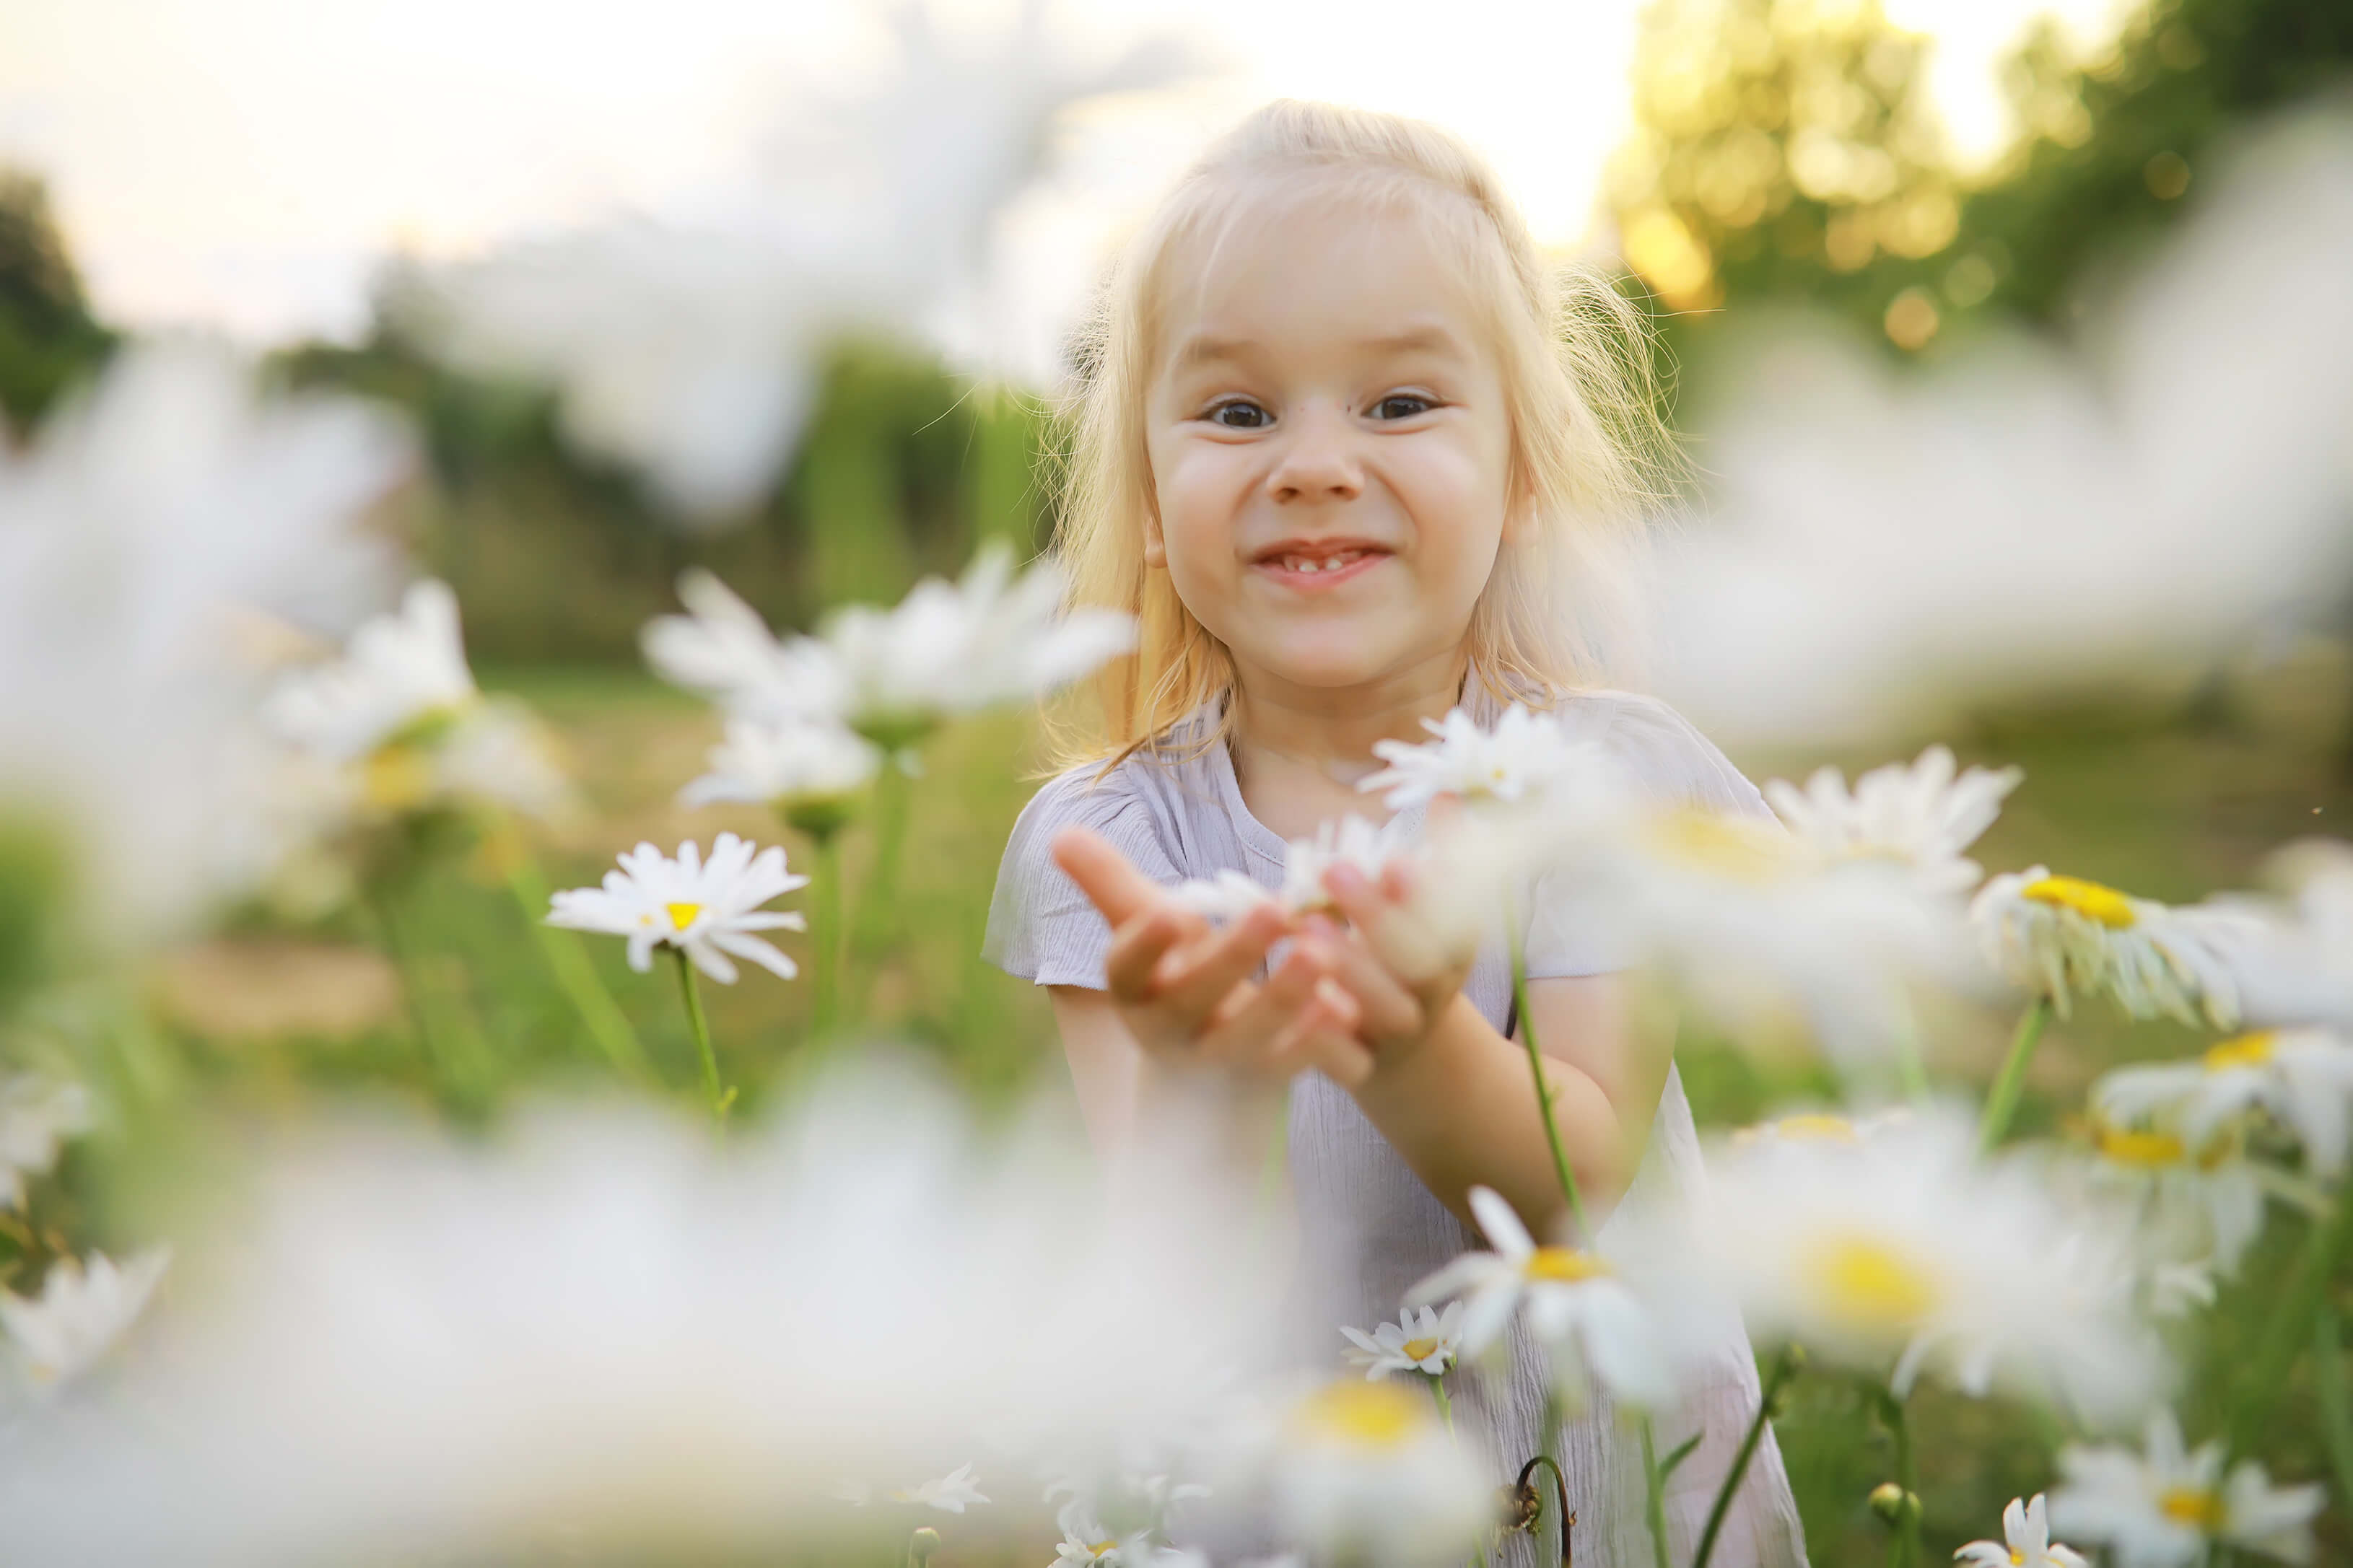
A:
(1352, 840)
(808, 770)
(1899, 1254)
(2026, 1543)
(2302, 1078)
(83, 1308)
(1589, 1322)
(2188, 1201)
(1085, 1541)
(724, 651)
(951, 1493)
(1422, 1340)
(706, 909)
(1365, 1473)
(2165, 1506)
(2060, 936)
(1525, 753)
(36, 1114)
(2292, 955)
(1919, 816)
(1227, 895)
(401, 674)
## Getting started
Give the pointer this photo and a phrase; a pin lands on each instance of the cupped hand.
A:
(1402, 979)
(1185, 989)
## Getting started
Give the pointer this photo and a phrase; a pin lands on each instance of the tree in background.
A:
(1785, 152)
(48, 339)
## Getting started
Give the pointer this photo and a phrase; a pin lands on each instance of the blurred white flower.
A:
(1422, 1340)
(1352, 840)
(1363, 1472)
(1110, 1504)
(1227, 895)
(1897, 1255)
(705, 909)
(2168, 1508)
(2291, 956)
(1083, 1540)
(808, 770)
(1524, 754)
(401, 673)
(83, 1309)
(947, 649)
(1891, 549)
(1919, 817)
(142, 529)
(1808, 1127)
(36, 1114)
(688, 345)
(1589, 1323)
(1754, 930)
(2062, 936)
(432, 1340)
(2302, 1078)
(951, 1493)
(2186, 1201)
(2026, 1541)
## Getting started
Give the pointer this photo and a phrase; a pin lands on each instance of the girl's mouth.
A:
(1311, 569)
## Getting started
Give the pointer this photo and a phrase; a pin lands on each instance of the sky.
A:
(244, 166)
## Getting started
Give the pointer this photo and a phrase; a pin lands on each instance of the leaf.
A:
(1679, 1453)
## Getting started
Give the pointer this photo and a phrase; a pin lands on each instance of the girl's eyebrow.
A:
(1202, 348)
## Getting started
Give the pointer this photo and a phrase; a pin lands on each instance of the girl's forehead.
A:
(1318, 274)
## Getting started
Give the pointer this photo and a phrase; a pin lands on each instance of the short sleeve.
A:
(1673, 764)
(1040, 927)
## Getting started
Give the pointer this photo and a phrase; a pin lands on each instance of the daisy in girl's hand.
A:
(707, 909)
(2026, 1543)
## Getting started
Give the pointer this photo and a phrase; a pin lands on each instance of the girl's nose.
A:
(1319, 461)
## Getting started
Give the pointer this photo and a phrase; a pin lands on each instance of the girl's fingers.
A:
(1103, 874)
(1388, 1008)
(1192, 981)
(1394, 936)
(1242, 1039)
(1324, 1036)
(1136, 950)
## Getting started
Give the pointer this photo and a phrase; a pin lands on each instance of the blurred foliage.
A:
(48, 339)
(1784, 155)
(904, 468)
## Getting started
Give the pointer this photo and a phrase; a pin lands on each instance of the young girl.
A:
(1346, 456)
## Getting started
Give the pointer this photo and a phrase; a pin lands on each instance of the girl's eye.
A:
(1402, 406)
(1240, 414)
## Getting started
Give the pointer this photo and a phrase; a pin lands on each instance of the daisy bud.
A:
(1894, 1504)
(923, 1543)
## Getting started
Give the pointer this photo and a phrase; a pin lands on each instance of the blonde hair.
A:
(1590, 457)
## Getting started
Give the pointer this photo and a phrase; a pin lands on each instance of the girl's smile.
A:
(1318, 565)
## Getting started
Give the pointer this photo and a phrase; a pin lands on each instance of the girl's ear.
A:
(1155, 548)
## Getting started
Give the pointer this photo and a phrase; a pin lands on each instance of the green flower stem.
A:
(2336, 1402)
(567, 960)
(1544, 1090)
(879, 902)
(825, 934)
(2300, 1300)
(412, 992)
(1907, 1476)
(1438, 1397)
(1908, 1067)
(2001, 1099)
(1655, 1498)
(720, 1098)
(1785, 1367)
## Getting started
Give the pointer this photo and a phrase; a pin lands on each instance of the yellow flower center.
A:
(1869, 1284)
(2145, 1150)
(2103, 906)
(1102, 1549)
(2017, 1557)
(1733, 848)
(2200, 1511)
(2245, 1051)
(396, 778)
(1816, 1127)
(1359, 1415)
(1419, 1349)
(1564, 1265)
(683, 915)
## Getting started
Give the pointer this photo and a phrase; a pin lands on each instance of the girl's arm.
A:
(1459, 1105)
(1121, 1091)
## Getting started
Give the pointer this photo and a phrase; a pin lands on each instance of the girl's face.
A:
(1330, 449)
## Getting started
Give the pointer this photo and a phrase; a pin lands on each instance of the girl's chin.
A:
(1330, 663)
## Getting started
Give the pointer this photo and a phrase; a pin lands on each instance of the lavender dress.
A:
(1368, 1227)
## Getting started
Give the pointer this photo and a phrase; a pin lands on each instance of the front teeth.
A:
(1321, 564)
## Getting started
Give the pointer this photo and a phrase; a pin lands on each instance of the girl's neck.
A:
(1300, 749)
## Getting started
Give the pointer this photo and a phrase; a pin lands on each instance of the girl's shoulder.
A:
(1660, 748)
